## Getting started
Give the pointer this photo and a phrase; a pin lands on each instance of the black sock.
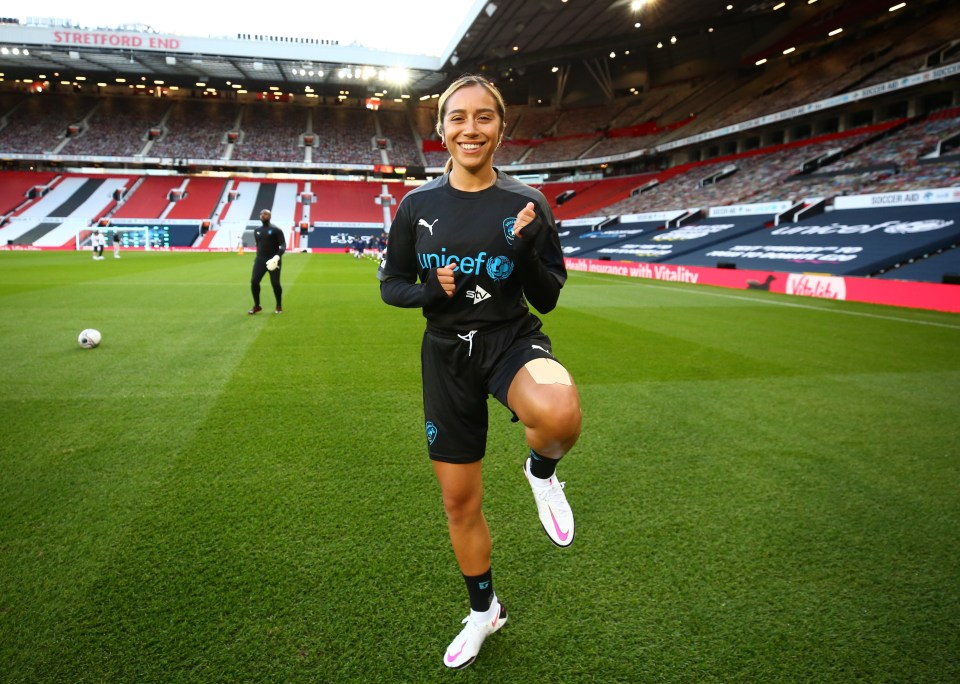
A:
(541, 466)
(480, 589)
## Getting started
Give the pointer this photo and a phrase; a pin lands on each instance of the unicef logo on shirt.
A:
(499, 268)
(431, 432)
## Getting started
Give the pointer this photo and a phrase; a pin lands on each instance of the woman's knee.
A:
(461, 488)
(461, 509)
(559, 416)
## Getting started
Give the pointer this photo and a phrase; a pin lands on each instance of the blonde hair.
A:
(466, 81)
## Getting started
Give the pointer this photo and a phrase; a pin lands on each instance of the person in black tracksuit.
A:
(471, 249)
(270, 248)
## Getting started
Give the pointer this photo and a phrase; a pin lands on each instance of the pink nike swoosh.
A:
(560, 533)
(451, 658)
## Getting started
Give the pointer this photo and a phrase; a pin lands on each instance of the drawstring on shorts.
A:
(468, 338)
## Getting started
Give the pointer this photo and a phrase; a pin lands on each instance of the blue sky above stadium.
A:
(419, 27)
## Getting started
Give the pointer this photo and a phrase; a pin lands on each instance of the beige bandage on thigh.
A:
(548, 372)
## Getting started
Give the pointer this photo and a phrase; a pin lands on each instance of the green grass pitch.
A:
(766, 488)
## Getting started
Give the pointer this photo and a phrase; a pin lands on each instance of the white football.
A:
(89, 338)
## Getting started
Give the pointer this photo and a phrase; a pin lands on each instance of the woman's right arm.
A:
(399, 269)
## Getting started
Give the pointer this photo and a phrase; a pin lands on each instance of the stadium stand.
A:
(510, 153)
(759, 175)
(904, 147)
(345, 135)
(8, 101)
(18, 185)
(42, 124)
(117, 127)
(272, 131)
(608, 146)
(200, 199)
(396, 129)
(591, 197)
(585, 120)
(560, 149)
(830, 69)
(638, 157)
(346, 202)
(530, 122)
(53, 218)
(147, 198)
(196, 130)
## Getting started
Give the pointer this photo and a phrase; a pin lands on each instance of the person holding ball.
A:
(471, 249)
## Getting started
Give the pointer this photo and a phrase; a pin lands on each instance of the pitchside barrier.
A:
(341, 238)
(917, 295)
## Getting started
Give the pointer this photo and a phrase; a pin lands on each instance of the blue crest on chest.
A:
(508, 229)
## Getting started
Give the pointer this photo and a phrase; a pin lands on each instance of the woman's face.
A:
(471, 127)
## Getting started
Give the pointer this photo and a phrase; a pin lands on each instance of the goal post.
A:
(131, 237)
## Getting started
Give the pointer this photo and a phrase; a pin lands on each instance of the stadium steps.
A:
(207, 239)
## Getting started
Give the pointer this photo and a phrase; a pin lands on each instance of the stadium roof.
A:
(389, 25)
(532, 48)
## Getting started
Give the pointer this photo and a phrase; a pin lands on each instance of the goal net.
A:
(138, 237)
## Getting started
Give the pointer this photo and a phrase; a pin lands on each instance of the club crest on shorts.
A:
(431, 432)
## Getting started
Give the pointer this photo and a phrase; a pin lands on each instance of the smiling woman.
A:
(481, 338)
(471, 121)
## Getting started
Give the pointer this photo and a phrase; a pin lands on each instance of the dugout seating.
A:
(938, 267)
(919, 242)
(845, 242)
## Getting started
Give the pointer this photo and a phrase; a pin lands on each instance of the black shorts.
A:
(460, 370)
